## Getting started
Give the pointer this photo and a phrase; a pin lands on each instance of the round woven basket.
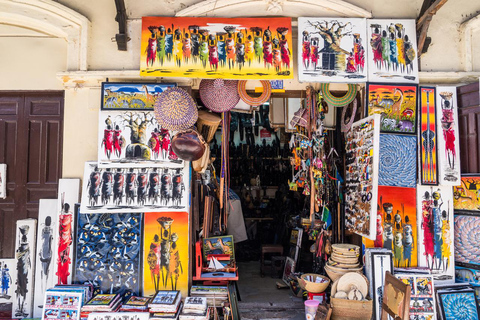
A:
(254, 101)
(313, 286)
(219, 95)
(175, 109)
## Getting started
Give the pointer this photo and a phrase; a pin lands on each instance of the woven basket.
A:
(313, 287)
(219, 95)
(207, 124)
(351, 309)
(175, 109)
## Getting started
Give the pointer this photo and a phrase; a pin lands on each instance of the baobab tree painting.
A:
(332, 50)
(134, 138)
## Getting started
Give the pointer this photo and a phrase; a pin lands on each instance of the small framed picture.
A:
(289, 269)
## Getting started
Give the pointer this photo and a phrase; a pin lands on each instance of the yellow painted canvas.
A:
(165, 253)
(228, 48)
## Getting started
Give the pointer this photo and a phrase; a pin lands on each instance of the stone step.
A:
(271, 311)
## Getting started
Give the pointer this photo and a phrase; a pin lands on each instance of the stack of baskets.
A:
(344, 259)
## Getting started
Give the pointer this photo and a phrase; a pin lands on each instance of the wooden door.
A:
(469, 127)
(31, 136)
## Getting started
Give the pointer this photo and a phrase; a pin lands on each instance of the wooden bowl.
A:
(312, 286)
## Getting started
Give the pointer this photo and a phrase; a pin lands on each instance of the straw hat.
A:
(175, 109)
(219, 95)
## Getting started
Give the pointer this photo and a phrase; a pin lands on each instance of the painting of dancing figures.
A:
(134, 189)
(436, 235)
(332, 50)
(165, 261)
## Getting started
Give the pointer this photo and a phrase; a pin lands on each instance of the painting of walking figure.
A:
(448, 136)
(165, 252)
(436, 234)
(8, 278)
(332, 50)
(392, 51)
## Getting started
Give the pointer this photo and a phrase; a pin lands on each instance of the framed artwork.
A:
(448, 136)
(108, 254)
(276, 112)
(396, 298)
(422, 296)
(292, 105)
(332, 50)
(135, 189)
(3, 180)
(392, 50)
(295, 243)
(230, 48)
(467, 236)
(45, 255)
(131, 95)
(68, 196)
(398, 161)
(435, 231)
(362, 147)
(118, 316)
(62, 305)
(396, 225)
(134, 139)
(25, 260)
(470, 275)
(165, 252)
(288, 270)
(218, 245)
(466, 197)
(379, 262)
(428, 137)
(460, 304)
(8, 282)
(397, 103)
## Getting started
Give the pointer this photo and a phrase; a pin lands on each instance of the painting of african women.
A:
(239, 48)
(396, 225)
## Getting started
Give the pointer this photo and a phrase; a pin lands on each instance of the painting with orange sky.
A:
(229, 48)
(165, 253)
(396, 103)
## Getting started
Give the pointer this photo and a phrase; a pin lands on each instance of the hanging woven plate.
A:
(219, 95)
(175, 109)
(339, 101)
(254, 101)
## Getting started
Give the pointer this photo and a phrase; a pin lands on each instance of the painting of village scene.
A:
(238, 48)
(392, 51)
(397, 104)
(128, 96)
(332, 50)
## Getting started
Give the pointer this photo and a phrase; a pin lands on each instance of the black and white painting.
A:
(46, 245)
(377, 262)
(25, 259)
(148, 189)
(8, 272)
(134, 139)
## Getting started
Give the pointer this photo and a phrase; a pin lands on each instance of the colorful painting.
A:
(61, 305)
(25, 260)
(68, 196)
(108, 254)
(46, 245)
(422, 297)
(396, 225)
(376, 264)
(134, 139)
(467, 240)
(165, 252)
(396, 103)
(332, 50)
(135, 189)
(231, 48)
(218, 245)
(467, 196)
(128, 96)
(448, 137)
(398, 161)
(436, 233)
(362, 146)
(469, 275)
(8, 280)
(428, 137)
(392, 51)
(459, 305)
(3, 180)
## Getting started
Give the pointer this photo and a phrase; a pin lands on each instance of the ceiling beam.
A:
(121, 17)
(430, 12)
(423, 22)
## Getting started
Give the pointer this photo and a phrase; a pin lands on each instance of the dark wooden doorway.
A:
(469, 127)
(31, 138)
